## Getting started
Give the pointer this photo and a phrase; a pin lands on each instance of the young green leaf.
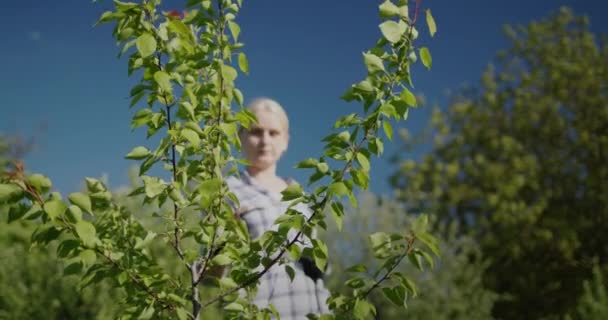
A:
(163, 80)
(430, 21)
(81, 200)
(425, 55)
(138, 153)
(54, 208)
(408, 97)
(86, 232)
(388, 129)
(9, 190)
(338, 189)
(396, 295)
(363, 161)
(308, 163)
(39, 182)
(191, 136)
(74, 214)
(392, 30)
(293, 191)
(290, 272)
(146, 45)
(373, 63)
(388, 9)
(243, 63)
(235, 30)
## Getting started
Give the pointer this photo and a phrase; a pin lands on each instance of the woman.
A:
(259, 192)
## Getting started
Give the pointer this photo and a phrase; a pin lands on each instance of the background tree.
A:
(520, 164)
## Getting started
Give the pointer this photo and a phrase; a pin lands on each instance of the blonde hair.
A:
(269, 105)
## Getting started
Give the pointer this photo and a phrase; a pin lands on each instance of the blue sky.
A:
(62, 84)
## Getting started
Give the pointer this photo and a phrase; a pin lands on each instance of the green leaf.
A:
(176, 298)
(179, 27)
(83, 201)
(208, 189)
(355, 283)
(308, 163)
(141, 117)
(373, 63)
(182, 314)
(67, 247)
(428, 258)
(235, 30)
(320, 254)
(229, 74)
(39, 182)
(379, 240)
(415, 260)
(227, 283)
(146, 45)
(338, 189)
(392, 30)
(294, 252)
(430, 21)
(34, 212)
(138, 153)
(153, 186)
(238, 96)
(191, 136)
(337, 211)
(243, 63)
(163, 80)
(408, 97)
(290, 272)
(357, 268)
(409, 284)
(323, 167)
(388, 130)
(420, 224)
(86, 232)
(74, 214)
(147, 313)
(425, 55)
(234, 306)
(146, 241)
(88, 257)
(17, 211)
(360, 178)
(430, 241)
(8, 191)
(396, 295)
(363, 161)
(54, 208)
(363, 309)
(74, 267)
(388, 9)
(293, 191)
(105, 17)
(365, 86)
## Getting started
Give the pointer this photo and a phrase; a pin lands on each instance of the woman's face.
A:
(264, 142)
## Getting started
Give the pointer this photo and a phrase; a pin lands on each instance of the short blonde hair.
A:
(269, 105)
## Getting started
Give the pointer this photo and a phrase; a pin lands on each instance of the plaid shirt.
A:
(293, 299)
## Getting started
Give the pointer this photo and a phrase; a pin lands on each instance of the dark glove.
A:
(310, 268)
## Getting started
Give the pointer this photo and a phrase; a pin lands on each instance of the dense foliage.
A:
(186, 98)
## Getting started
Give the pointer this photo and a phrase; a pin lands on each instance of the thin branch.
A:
(38, 198)
(409, 249)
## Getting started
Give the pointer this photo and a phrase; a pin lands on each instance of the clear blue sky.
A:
(62, 83)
